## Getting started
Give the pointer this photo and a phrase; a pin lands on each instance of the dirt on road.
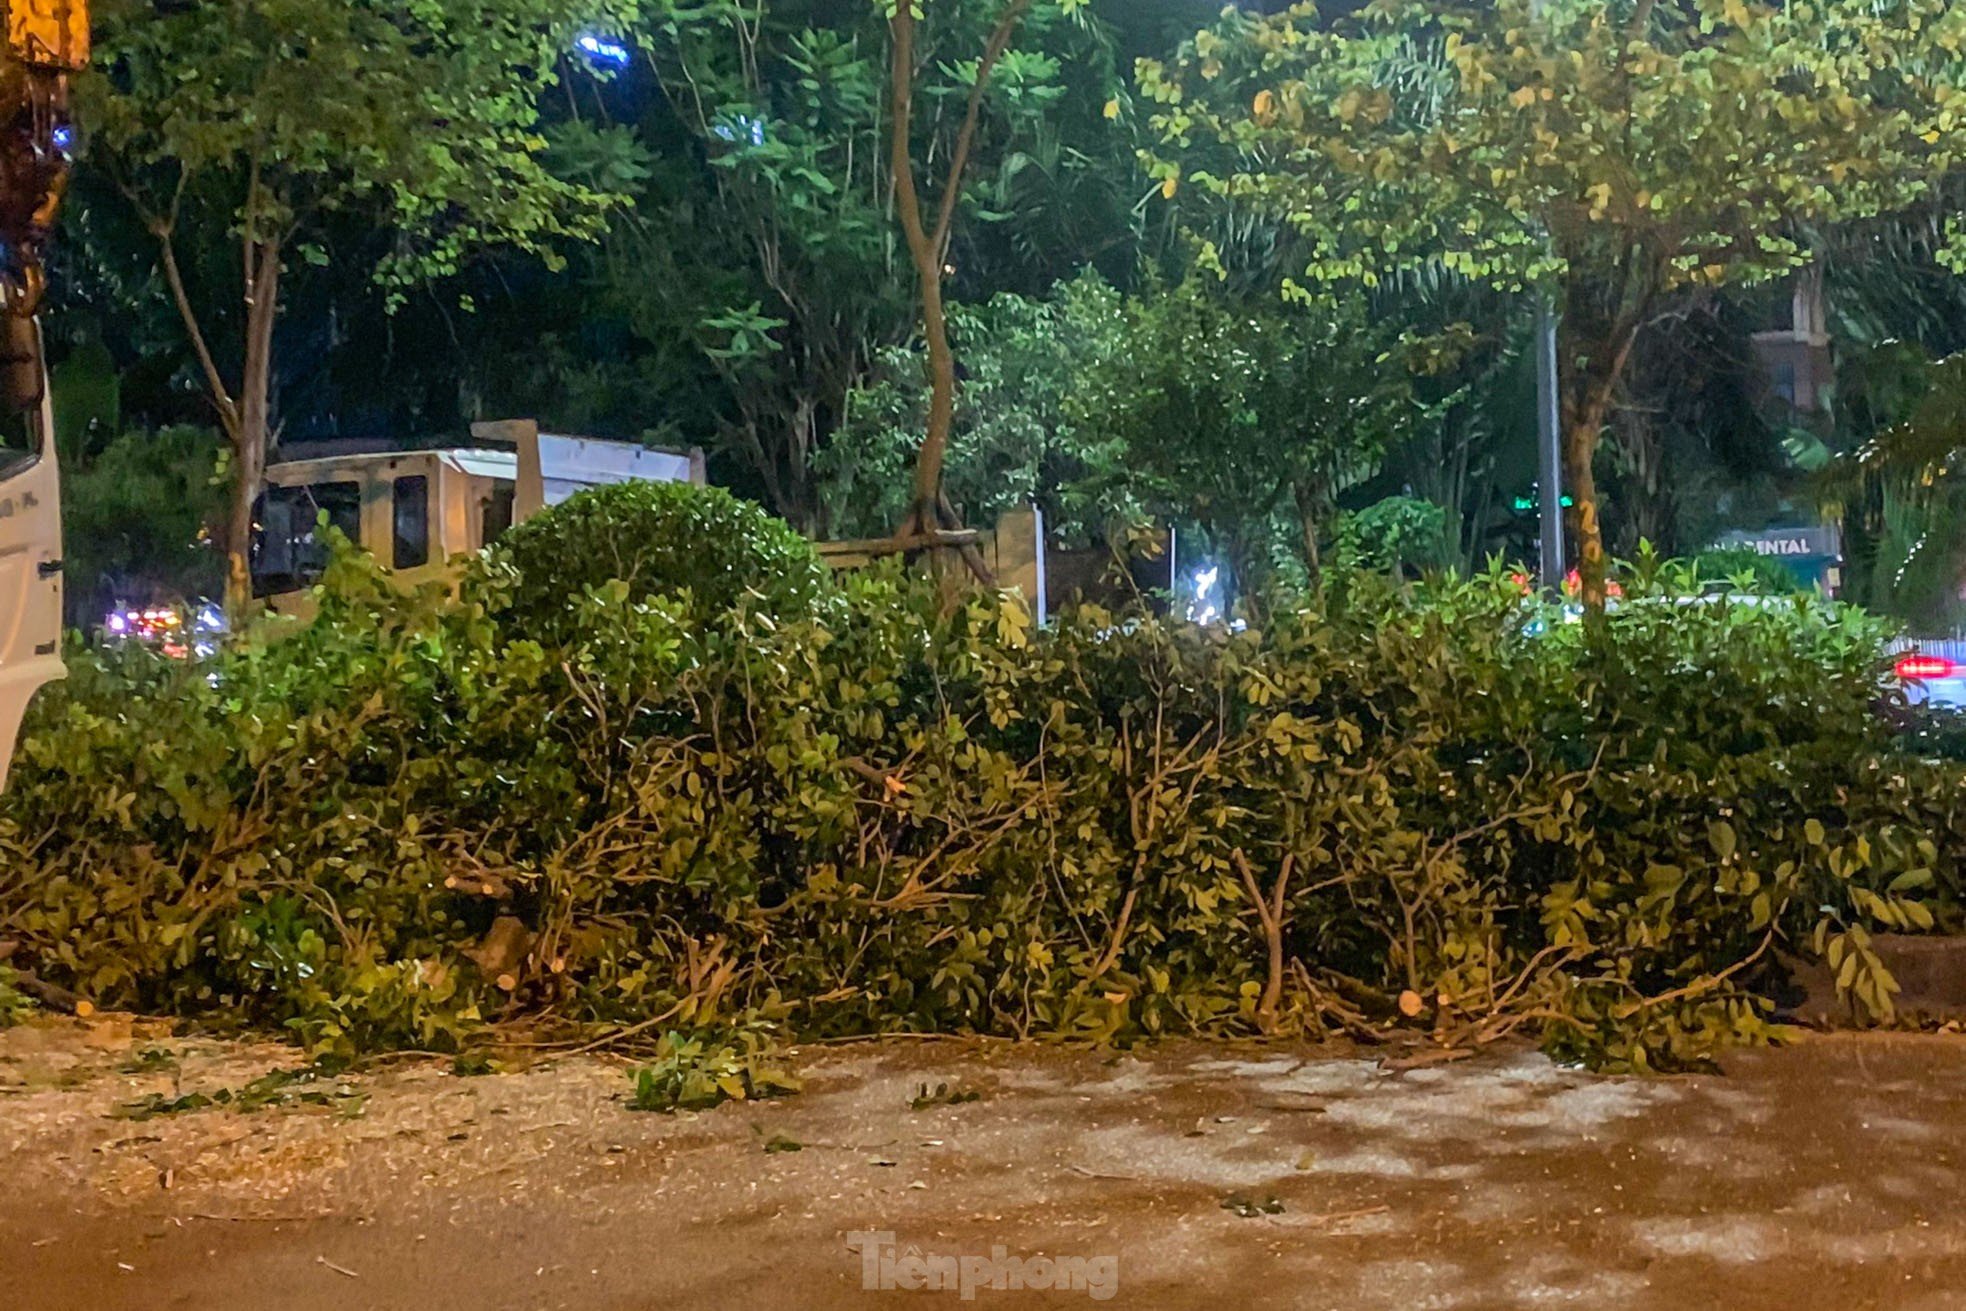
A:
(1823, 1175)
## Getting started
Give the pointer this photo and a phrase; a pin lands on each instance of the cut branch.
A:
(1270, 919)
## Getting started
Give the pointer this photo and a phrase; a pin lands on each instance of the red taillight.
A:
(1921, 668)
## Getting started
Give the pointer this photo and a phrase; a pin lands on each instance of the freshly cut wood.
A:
(54, 997)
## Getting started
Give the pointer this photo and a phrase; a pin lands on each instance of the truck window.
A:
(412, 522)
(497, 514)
(289, 551)
(17, 444)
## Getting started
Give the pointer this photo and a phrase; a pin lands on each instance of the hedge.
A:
(1404, 804)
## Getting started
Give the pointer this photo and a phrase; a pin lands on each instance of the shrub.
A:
(1936, 732)
(1393, 534)
(400, 828)
(1736, 565)
(661, 540)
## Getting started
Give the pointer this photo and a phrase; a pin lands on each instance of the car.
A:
(1934, 675)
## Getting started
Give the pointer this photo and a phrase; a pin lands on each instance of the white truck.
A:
(415, 511)
(43, 43)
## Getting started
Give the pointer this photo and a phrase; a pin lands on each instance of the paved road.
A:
(1827, 1175)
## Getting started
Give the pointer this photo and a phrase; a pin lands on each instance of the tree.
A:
(1014, 440)
(1238, 415)
(1900, 494)
(757, 266)
(1613, 154)
(928, 246)
(759, 274)
(261, 118)
(136, 517)
(1395, 534)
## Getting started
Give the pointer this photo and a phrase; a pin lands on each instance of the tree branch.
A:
(900, 148)
(1013, 14)
(228, 409)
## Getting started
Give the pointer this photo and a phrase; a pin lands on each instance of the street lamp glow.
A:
(602, 50)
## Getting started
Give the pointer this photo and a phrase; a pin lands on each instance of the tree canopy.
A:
(683, 221)
(256, 119)
(1613, 154)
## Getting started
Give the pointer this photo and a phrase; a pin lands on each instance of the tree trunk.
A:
(1247, 582)
(942, 393)
(1310, 515)
(1596, 367)
(252, 433)
(1270, 917)
(929, 249)
(247, 473)
(246, 417)
(1583, 425)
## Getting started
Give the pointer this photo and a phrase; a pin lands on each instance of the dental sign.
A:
(1818, 543)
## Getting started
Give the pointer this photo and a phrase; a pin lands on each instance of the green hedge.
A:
(906, 815)
(658, 539)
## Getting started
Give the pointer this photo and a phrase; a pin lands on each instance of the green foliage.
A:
(151, 1060)
(257, 123)
(136, 519)
(1743, 565)
(759, 277)
(1392, 534)
(1475, 133)
(903, 813)
(1239, 416)
(1019, 437)
(427, 117)
(1620, 156)
(1938, 734)
(87, 397)
(14, 1005)
(279, 1089)
(1898, 490)
(698, 546)
(942, 1094)
(697, 1072)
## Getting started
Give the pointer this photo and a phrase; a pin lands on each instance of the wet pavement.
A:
(1828, 1174)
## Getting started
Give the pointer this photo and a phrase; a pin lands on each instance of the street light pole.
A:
(1549, 425)
(1549, 432)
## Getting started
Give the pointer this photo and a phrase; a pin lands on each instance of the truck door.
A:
(30, 563)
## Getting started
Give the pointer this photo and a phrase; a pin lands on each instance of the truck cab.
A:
(412, 511)
(30, 567)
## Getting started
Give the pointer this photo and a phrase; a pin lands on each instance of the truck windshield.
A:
(289, 550)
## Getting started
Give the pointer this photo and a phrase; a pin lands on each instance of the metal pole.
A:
(1549, 426)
